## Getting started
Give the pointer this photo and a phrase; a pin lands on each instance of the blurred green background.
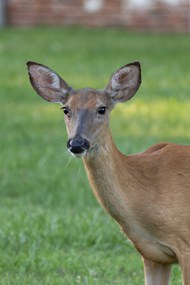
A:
(52, 229)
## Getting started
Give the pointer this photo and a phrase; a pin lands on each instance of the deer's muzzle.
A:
(78, 145)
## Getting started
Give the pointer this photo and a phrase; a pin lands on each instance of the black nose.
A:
(78, 145)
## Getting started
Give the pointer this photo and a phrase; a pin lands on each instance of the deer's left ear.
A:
(47, 83)
(124, 83)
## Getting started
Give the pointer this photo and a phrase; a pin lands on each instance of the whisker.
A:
(71, 158)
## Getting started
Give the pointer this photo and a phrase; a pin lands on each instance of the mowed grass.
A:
(52, 230)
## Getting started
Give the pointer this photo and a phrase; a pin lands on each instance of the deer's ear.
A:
(47, 83)
(124, 83)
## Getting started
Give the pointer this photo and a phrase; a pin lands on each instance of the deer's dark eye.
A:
(66, 111)
(101, 110)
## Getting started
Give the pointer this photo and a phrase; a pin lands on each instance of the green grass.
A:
(52, 230)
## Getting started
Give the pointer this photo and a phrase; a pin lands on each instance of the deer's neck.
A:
(106, 171)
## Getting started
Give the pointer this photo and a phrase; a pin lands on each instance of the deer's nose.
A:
(78, 145)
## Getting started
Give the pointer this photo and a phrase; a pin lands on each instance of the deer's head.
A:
(86, 110)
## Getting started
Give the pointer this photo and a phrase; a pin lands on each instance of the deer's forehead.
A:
(87, 99)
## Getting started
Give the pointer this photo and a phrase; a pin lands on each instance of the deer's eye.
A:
(102, 110)
(66, 111)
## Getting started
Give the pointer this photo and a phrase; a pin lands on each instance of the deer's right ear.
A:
(47, 83)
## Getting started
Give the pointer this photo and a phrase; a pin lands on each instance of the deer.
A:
(148, 193)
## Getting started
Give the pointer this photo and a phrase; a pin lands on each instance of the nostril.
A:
(78, 145)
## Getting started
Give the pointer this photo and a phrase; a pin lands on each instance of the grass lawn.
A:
(52, 230)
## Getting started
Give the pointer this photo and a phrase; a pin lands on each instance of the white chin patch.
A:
(78, 155)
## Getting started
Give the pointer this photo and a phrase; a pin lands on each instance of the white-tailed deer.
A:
(148, 194)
